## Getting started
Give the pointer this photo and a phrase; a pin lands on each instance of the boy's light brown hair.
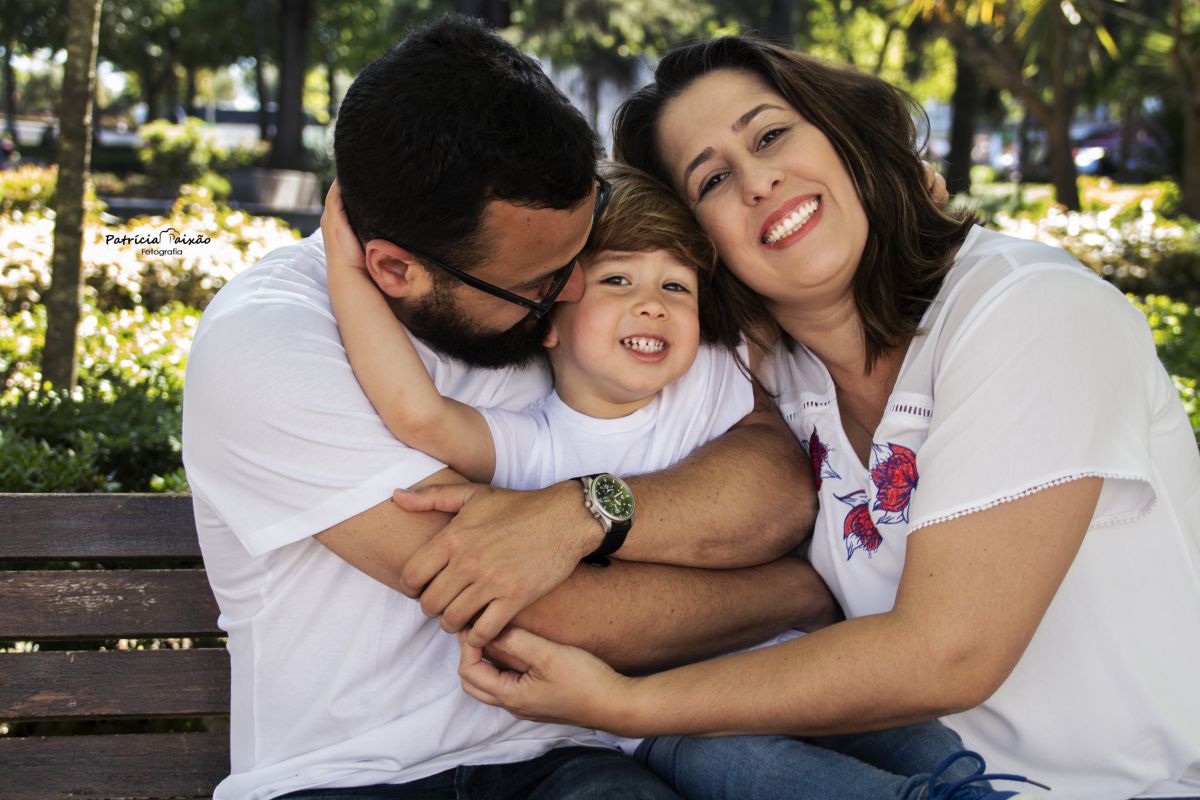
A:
(643, 214)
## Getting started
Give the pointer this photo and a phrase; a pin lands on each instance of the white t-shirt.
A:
(337, 680)
(1034, 372)
(549, 441)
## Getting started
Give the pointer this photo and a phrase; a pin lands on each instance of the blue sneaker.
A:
(975, 786)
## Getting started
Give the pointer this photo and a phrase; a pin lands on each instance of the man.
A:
(471, 182)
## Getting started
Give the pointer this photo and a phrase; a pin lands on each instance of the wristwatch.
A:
(611, 502)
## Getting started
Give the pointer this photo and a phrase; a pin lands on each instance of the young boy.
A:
(635, 390)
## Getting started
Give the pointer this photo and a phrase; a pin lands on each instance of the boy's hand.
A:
(342, 249)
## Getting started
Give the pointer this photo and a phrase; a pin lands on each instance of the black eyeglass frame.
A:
(558, 279)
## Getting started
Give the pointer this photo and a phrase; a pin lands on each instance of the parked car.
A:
(1099, 153)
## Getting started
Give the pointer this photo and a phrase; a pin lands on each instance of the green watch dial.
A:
(613, 497)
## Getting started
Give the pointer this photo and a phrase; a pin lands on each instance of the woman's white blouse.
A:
(1031, 371)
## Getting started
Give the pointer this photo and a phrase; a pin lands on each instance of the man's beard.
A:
(437, 321)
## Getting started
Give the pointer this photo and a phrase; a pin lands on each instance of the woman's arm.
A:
(387, 365)
(973, 592)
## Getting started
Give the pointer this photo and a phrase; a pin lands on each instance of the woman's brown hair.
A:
(910, 241)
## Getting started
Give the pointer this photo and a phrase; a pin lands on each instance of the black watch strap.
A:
(611, 544)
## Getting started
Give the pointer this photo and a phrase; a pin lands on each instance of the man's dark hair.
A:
(449, 119)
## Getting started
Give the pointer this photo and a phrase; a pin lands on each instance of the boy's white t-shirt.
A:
(1033, 372)
(549, 441)
(337, 680)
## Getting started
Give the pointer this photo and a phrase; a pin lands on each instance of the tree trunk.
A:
(10, 88)
(496, 13)
(171, 93)
(965, 110)
(1190, 180)
(260, 62)
(288, 150)
(331, 79)
(1063, 174)
(150, 93)
(189, 90)
(1186, 62)
(779, 27)
(74, 154)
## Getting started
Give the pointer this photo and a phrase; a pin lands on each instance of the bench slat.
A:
(120, 767)
(86, 604)
(114, 684)
(68, 527)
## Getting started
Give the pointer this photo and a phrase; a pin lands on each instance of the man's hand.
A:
(502, 551)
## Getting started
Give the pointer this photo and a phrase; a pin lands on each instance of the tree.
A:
(1040, 51)
(349, 34)
(74, 155)
(26, 25)
(964, 111)
(145, 37)
(295, 22)
(496, 13)
(1185, 58)
(603, 38)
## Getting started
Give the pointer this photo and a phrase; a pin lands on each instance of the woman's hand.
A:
(342, 248)
(562, 684)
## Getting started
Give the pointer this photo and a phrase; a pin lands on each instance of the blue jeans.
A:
(568, 773)
(893, 763)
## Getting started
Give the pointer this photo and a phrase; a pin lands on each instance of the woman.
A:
(1009, 487)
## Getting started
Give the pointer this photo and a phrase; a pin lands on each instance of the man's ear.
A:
(395, 270)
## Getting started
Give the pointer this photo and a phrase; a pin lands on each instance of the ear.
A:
(550, 340)
(395, 270)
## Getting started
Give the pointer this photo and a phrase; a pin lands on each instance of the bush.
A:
(1130, 245)
(173, 155)
(120, 430)
(27, 190)
(106, 436)
(118, 274)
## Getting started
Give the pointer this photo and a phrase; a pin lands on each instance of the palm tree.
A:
(1041, 52)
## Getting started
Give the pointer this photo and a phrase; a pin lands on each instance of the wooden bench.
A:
(78, 573)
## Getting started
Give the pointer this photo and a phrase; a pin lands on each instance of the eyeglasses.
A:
(555, 282)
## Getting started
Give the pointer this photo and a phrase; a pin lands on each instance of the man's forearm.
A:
(745, 498)
(643, 617)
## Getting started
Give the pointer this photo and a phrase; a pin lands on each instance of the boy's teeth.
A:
(792, 222)
(643, 345)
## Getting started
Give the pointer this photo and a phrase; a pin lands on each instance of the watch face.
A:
(613, 497)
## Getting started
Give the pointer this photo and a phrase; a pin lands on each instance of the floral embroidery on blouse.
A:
(858, 530)
(895, 476)
(818, 454)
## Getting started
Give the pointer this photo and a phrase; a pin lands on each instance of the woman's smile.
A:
(797, 217)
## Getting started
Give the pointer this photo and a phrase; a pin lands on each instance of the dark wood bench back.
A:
(80, 572)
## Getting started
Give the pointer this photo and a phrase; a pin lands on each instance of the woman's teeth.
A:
(792, 222)
(643, 345)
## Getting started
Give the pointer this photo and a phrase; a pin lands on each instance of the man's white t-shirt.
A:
(1033, 372)
(337, 680)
